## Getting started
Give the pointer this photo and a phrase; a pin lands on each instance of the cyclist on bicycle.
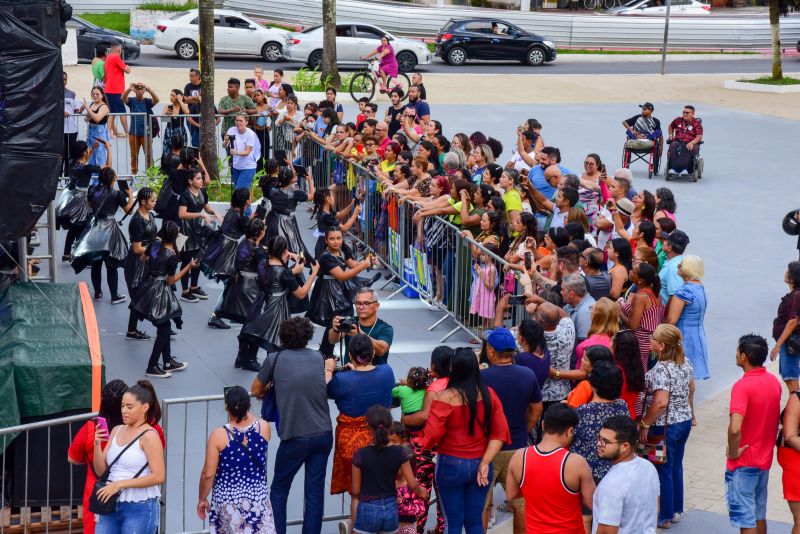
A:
(388, 66)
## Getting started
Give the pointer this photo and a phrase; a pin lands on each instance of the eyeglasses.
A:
(587, 163)
(603, 441)
(687, 112)
(364, 303)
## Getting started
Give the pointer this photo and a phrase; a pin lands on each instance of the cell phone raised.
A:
(527, 261)
(123, 184)
(516, 300)
(101, 423)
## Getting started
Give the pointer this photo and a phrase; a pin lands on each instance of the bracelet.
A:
(643, 424)
(558, 374)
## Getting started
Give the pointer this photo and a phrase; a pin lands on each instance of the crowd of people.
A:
(580, 406)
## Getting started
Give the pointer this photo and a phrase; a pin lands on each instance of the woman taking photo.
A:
(277, 282)
(103, 241)
(135, 456)
(784, 325)
(261, 127)
(327, 217)
(235, 471)
(196, 226)
(669, 408)
(72, 210)
(97, 132)
(467, 423)
(643, 312)
(174, 110)
(142, 231)
(354, 393)
(156, 302)
(281, 220)
(589, 193)
(288, 123)
(687, 311)
(242, 289)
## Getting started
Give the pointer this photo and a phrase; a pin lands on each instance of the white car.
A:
(234, 33)
(354, 40)
(659, 7)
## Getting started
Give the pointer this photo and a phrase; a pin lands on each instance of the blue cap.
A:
(500, 339)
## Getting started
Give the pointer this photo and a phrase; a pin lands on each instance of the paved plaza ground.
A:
(732, 217)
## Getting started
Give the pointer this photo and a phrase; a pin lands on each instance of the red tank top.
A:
(550, 506)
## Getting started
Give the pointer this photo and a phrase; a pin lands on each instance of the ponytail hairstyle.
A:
(237, 402)
(417, 378)
(379, 420)
(254, 228)
(144, 195)
(361, 350)
(320, 196)
(111, 402)
(440, 360)
(146, 394)
(168, 234)
(239, 198)
(107, 177)
(671, 338)
(78, 149)
(276, 246)
(285, 176)
(187, 156)
(647, 274)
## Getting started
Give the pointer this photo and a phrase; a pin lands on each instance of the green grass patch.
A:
(115, 20)
(769, 80)
(168, 6)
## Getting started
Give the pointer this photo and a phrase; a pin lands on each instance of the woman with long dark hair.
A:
(220, 252)
(327, 217)
(469, 426)
(156, 302)
(277, 282)
(103, 241)
(142, 231)
(97, 131)
(175, 126)
(625, 348)
(72, 209)
(242, 289)
(619, 252)
(643, 312)
(281, 220)
(665, 204)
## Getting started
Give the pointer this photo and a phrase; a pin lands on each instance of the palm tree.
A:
(208, 134)
(330, 70)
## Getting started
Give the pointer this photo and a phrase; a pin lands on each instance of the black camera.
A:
(347, 324)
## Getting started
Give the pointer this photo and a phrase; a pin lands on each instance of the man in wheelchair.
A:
(644, 133)
(685, 135)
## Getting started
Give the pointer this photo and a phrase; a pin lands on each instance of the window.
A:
(344, 31)
(236, 22)
(477, 27)
(365, 32)
(217, 21)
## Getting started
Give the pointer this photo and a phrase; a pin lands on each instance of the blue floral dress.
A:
(690, 323)
(592, 415)
(240, 496)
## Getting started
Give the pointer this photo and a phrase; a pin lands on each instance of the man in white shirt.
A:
(626, 500)
(517, 162)
(72, 105)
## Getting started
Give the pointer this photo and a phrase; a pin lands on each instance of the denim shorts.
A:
(746, 493)
(788, 365)
(377, 516)
(115, 104)
(130, 518)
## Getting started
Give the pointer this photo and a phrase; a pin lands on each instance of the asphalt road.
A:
(153, 57)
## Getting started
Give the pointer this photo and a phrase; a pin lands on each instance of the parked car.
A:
(89, 37)
(354, 40)
(234, 33)
(460, 40)
(659, 7)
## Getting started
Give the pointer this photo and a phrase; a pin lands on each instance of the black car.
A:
(90, 36)
(463, 39)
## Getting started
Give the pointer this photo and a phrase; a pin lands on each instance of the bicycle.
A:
(363, 83)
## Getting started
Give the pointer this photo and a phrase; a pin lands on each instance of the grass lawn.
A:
(768, 80)
(171, 6)
(119, 21)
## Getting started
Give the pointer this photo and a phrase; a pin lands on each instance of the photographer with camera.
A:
(366, 321)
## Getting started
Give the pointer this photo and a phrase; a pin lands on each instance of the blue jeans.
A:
(194, 134)
(377, 516)
(746, 493)
(460, 497)
(788, 365)
(670, 474)
(311, 452)
(99, 153)
(242, 177)
(130, 518)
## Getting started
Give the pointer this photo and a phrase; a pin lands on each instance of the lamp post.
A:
(666, 37)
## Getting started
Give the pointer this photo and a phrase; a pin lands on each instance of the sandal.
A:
(505, 507)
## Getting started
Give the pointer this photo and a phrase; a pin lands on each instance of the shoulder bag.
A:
(96, 506)
(269, 404)
(655, 449)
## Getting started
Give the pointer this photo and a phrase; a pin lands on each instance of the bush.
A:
(168, 6)
(309, 80)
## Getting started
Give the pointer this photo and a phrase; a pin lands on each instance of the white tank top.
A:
(126, 468)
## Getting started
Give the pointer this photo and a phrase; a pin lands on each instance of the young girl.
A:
(375, 470)
(324, 203)
(220, 251)
(409, 506)
(483, 298)
(410, 393)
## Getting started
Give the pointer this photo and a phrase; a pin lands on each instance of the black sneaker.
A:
(98, 295)
(172, 333)
(216, 322)
(66, 258)
(188, 296)
(157, 372)
(118, 299)
(173, 365)
(199, 293)
(137, 336)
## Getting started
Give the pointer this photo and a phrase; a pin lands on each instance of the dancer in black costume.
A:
(142, 231)
(327, 217)
(175, 183)
(242, 289)
(277, 281)
(281, 220)
(102, 241)
(72, 209)
(156, 302)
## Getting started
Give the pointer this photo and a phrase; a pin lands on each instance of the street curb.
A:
(760, 87)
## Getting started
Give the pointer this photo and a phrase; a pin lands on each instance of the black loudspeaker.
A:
(31, 120)
(42, 16)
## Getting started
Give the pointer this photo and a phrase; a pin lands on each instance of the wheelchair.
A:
(645, 150)
(695, 167)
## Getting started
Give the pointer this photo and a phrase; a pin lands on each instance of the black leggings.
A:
(194, 274)
(133, 321)
(73, 232)
(248, 348)
(97, 276)
(161, 346)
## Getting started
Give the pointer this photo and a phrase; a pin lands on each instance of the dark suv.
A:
(463, 39)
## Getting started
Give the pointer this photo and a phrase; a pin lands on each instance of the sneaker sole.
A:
(165, 375)
(119, 301)
(178, 370)
(201, 297)
(184, 299)
(138, 338)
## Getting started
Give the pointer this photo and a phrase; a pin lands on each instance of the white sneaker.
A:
(35, 241)
(684, 172)
(673, 171)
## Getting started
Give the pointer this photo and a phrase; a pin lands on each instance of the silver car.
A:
(354, 40)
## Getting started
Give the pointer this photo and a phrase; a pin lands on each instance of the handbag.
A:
(96, 506)
(269, 404)
(655, 449)
(793, 344)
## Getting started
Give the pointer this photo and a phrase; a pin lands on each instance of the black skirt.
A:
(101, 240)
(134, 271)
(219, 257)
(286, 226)
(156, 302)
(330, 298)
(72, 208)
(237, 300)
(265, 320)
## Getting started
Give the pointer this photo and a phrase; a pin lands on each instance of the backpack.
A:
(155, 125)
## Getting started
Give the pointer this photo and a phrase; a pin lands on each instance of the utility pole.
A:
(329, 63)
(666, 37)
(208, 133)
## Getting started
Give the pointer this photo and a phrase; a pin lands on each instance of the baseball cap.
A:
(625, 206)
(647, 105)
(500, 339)
(677, 237)
(495, 171)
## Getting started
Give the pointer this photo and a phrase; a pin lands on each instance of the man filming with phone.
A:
(366, 322)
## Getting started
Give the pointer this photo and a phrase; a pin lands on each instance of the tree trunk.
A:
(208, 134)
(330, 70)
(774, 25)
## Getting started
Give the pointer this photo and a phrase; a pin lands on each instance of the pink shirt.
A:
(757, 397)
(594, 339)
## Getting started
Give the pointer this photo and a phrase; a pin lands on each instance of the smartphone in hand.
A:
(123, 184)
(102, 423)
(527, 261)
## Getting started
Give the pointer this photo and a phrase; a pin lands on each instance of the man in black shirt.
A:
(416, 79)
(192, 93)
(394, 113)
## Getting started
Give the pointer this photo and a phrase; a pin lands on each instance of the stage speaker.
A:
(45, 17)
(31, 119)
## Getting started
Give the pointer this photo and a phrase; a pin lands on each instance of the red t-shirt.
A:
(757, 397)
(115, 74)
(448, 427)
(383, 145)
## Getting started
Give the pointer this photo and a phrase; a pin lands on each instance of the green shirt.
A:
(99, 72)
(513, 202)
(226, 102)
(662, 256)
(455, 219)
(410, 399)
